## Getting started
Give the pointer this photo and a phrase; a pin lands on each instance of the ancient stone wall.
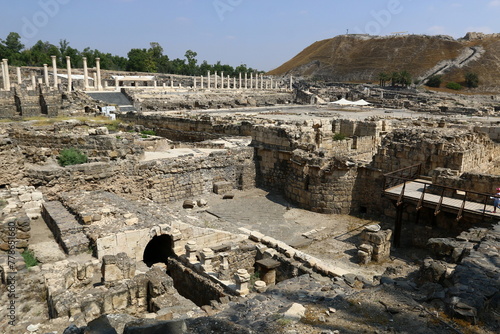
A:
(454, 149)
(162, 99)
(30, 103)
(475, 182)
(14, 234)
(194, 286)
(8, 108)
(102, 145)
(320, 185)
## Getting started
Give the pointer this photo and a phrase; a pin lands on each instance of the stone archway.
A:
(158, 250)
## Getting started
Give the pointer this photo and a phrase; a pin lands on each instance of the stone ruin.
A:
(121, 250)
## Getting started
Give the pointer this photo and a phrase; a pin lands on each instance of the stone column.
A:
(191, 249)
(291, 82)
(251, 80)
(19, 79)
(215, 80)
(246, 80)
(54, 69)
(7, 77)
(242, 277)
(117, 84)
(222, 80)
(85, 74)
(224, 262)
(228, 82)
(262, 81)
(3, 74)
(201, 81)
(271, 83)
(234, 83)
(239, 77)
(98, 69)
(257, 81)
(95, 81)
(46, 75)
(194, 83)
(70, 80)
(33, 81)
(171, 83)
(208, 78)
(207, 254)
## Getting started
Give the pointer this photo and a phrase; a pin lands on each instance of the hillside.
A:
(360, 58)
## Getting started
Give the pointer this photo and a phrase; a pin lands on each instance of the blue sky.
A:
(260, 33)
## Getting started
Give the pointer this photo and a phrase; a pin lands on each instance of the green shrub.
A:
(29, 258)
(454, 85)
(434, 81)
(338, 136)
(71, 156)
(471, 80)
(148, 133)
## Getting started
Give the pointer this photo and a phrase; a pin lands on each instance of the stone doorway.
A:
(158, 250)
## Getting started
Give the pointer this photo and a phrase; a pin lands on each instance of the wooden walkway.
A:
(413, 193)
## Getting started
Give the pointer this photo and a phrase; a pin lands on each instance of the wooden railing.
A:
(410, 174)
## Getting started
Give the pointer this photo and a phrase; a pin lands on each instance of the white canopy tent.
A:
(344, 102)
(361, 103)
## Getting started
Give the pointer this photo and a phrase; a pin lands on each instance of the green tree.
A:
(383, 78)
(141, 60)
(471, 80)
(13, 43)
(11, 49)
(405, 78)
(434, 81)
(192, 69)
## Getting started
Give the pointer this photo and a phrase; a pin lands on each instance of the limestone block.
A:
(105, 246)
(25, 197)
(295, 312)
(222, 187)
(37, 196)
(256, 236)
(120, 297)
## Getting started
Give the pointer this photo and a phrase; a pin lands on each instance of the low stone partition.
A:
(457, 149)
(71, 291)
(476, 182)
(293, 254)
(14, 233)
(66, 229)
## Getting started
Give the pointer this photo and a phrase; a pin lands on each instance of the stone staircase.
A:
(114, 98)
(66, 229)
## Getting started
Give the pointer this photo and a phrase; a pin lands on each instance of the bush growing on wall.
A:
(71, 156)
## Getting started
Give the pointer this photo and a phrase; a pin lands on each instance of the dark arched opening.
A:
(158, 250)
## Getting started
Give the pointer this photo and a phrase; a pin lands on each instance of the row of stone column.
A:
(254, 82)
(240, 83)
(97, 75)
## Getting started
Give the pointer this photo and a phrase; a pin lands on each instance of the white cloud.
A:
(437, 30)
(494, 3)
